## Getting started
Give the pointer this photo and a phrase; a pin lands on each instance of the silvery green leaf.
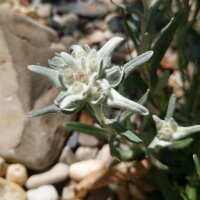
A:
(51, 74)
(143, 99)
(100, 70)
(88, 129)
(106, 51)
(46, 110)
(171, 107)
(133, 64)
(158, 164)
(114, 75)
(118, 101)
(180, 144)
(185, 131)
(196, 163)
(130, 136)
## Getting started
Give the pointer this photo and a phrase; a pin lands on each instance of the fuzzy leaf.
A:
(46, 110)
(130, 136)
(180, 144)
(163, 43)
(131, 65)
(51, 74)
(196, 163)
(88, 129)
(171, 107)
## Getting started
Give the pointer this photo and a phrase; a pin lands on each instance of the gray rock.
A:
(36, 142)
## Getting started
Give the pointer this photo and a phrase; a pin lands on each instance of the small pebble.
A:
(68, 193)
(87, 140)
(45, 192)
(17, 173)
(56, 174)
(104, 155)
(85, 153)
(44, 10)
(80, 170)
(69, 20)
(11, 191)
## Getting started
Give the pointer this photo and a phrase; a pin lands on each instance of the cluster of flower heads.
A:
(86, 76)
(169, 133)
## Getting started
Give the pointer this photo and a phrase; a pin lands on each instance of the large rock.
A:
(34, 142)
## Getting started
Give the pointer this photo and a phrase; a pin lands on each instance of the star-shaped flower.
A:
(168, 131)
(88, 76)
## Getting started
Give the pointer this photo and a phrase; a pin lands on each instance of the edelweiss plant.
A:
(87, 76)
(168, 131)
(169, 134)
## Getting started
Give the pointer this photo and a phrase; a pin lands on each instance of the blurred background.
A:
(30, 33)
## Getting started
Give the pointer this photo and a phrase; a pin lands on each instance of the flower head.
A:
(86, 76)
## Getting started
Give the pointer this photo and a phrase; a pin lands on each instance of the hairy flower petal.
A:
(51, 74)
(106, 51)
(117, 100)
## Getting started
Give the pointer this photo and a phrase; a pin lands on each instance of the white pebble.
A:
(45, 192)
(56, 174)
(80, 170)
(17, 173)
(85, 153)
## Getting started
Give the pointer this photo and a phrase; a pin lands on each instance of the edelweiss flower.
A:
(168, 132)
(87, 76)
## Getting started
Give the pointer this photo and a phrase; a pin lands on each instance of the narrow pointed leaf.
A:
(133, 64)
(51, 74)
(46, 110)
(130, 136)
(163, 43)
(197, 163)
(88, 129)
(158, 164)
(180, 144)
(171, 107)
